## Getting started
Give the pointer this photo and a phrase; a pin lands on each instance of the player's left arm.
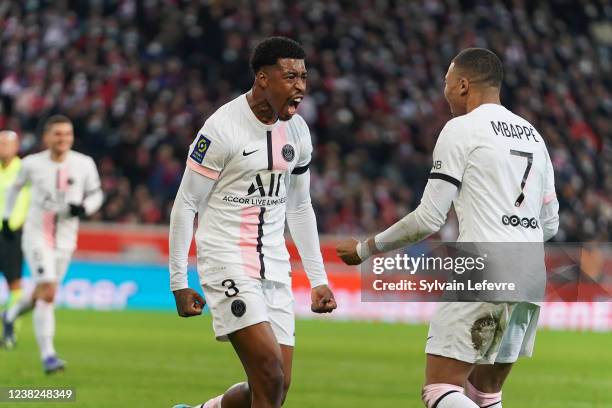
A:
(303, 227)
(549, 213)
(93, 196)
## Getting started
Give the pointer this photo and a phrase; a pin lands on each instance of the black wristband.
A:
(77, 210)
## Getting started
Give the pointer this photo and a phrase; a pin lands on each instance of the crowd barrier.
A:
(134, 275)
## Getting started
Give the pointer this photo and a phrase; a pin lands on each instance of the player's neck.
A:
(59, 157)
(260, 107)
(482, 98)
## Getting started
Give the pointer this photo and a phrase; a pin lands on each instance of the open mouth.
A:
(293, 104)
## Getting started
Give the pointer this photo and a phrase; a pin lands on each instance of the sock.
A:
(483, 399)
(456, 400)
(495, 405)
(20, 307)
(212, 403)
(44, 327)
(14, 297)
(446, 396)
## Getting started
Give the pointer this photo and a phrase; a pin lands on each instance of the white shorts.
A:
(240, 302)
(47, 264)
(483, 333)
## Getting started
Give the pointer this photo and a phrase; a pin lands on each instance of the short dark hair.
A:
(480, 65)
(270, 50)
(55, 119)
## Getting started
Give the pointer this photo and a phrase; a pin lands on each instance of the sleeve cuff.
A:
(318, 282)
(178, 286)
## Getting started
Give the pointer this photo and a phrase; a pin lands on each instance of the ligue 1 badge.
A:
(200, 149)
(288, 152)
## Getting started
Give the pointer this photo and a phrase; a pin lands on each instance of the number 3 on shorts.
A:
(232, 290)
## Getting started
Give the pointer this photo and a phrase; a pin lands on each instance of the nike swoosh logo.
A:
(244, 153)
(429, 338)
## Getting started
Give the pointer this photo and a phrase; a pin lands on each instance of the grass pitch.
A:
(149, 359)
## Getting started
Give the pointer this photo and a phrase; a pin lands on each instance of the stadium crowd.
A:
(140, 77)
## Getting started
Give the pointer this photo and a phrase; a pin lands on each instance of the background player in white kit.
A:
(65, 185)
(247, 171)
(492, 165)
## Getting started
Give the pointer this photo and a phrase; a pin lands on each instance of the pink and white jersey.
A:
(241, 231)
(54, 186)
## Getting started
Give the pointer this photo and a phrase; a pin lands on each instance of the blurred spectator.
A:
(140, 77)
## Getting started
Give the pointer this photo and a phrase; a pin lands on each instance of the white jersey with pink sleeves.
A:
(241, 231)
(54, 186)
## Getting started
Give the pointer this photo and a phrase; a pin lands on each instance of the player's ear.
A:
(262, 78)
(464, 86)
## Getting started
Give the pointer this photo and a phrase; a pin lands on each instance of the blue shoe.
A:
(182, 406)
(8, 333)
(53, 364)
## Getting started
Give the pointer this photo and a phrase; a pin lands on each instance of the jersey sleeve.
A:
(549, 193)
(451, 153)
(93, 196)
(209, 152)
(92, 181)
(305, 152)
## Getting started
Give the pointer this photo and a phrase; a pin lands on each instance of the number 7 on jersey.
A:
(529, 157)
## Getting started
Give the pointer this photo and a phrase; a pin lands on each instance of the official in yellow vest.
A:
(11, 257)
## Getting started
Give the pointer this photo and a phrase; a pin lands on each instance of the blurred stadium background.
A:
(139, 78)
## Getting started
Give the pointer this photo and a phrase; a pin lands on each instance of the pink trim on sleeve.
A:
(549, 198)
(205, 171)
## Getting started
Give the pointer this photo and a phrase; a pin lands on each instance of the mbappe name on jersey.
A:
(514, 131)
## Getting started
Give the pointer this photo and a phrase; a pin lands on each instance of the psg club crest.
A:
(288, 152)
(238, 308)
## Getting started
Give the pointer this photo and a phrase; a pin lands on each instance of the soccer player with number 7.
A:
(494, 166)
(247, 172)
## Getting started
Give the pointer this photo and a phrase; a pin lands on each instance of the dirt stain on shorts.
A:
(483, 331)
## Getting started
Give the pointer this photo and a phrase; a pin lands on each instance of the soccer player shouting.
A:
(494, 166)
(247, 171)
(65, 185)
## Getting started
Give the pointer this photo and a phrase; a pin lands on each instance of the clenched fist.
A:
(347, 251)
(188, 302)
(322, 299)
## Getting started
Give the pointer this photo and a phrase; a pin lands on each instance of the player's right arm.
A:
(190, 199)
(206, 159)
(23, 177)
(450, 159)
(425, 220)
